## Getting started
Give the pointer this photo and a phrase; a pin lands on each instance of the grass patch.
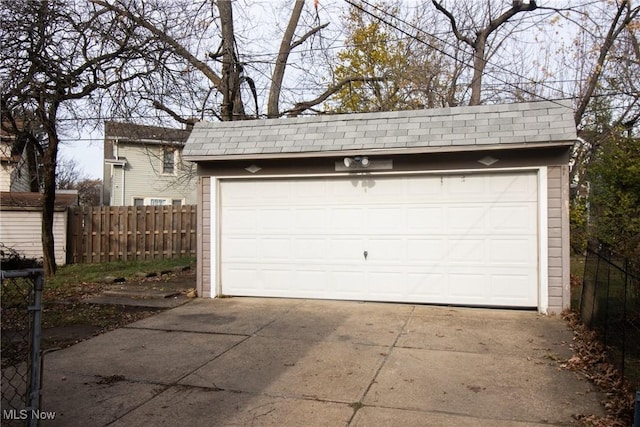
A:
(577, 266)
(66, 316)
(90, 273)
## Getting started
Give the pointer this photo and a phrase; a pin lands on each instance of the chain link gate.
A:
(21, 303)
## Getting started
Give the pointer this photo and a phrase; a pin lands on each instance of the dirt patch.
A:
(69, 319)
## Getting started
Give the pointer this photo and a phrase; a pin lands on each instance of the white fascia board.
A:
(377, 151)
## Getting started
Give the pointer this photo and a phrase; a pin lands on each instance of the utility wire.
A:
(392, 25)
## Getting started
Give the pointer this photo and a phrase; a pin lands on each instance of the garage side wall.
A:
(558, 238)
(204, 243)
(22, 230)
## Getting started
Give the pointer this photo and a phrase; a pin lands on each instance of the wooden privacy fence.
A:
(110, 233)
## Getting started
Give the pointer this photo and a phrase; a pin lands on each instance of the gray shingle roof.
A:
(133, 132)
(446, 129)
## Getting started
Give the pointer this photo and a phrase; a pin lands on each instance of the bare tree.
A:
(607, 63)
(286, 46)
(54, 54)
(479, 38)
(68, 174)
(89, 191)
(210, 57)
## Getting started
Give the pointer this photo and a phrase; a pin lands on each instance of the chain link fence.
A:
(21, 304)
(610, 304)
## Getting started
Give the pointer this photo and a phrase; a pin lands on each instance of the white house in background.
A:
(143, 166)
(21, 222)
(14, 167)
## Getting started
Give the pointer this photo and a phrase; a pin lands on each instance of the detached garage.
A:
(458, 206)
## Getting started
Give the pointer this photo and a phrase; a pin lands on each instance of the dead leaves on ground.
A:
(590, 359)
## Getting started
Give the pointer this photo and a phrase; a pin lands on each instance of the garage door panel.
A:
(240, 220)
(465, 187)
(468, 286)
(311, 279)
(275, 220)
(384, 219)
(512, 287)
(513, 188)
(466, 251)
(385, 285)
(245, 279)
(346, 219)
(451, 239)
(276, 277)
(344, 249)
(310, 249)
(426, 250)
(345, 282)
(428, 188)
(426, 286)
(310, 193)
(273, 248)
(425, 219)
(467, 219)
(241, 248)
(344, 190)
(512, 218)
(309, 220)
(511, 251)
(390, 250)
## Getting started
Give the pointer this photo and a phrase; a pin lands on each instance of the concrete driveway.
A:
(251, 361)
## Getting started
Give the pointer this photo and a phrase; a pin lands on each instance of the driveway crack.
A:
(358, 405)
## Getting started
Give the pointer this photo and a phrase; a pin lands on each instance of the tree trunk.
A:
(48, 201)
(230, 79)
(479, 64)
(273, 109)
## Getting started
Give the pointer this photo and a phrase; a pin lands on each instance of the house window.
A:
(157, 201)
(168, 160)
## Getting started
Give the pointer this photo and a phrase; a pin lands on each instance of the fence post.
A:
(636, 421)
(36, 334)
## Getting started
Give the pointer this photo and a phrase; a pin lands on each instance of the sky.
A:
(86, 150)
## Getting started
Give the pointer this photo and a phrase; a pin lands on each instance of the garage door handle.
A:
(365, 255)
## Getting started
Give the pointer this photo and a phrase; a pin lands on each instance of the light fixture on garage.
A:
(487, 160)
(358, 161)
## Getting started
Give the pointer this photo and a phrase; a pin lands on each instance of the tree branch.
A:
(454, 25)
(300, 107)
(612, 34)
(160, 106)
(508, 14)
(308, 34)
(165, 38)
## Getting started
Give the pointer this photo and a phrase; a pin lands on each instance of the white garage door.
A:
(450, 239)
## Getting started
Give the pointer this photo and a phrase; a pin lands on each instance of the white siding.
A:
(5, 177)
(143, 177)
(21, 230)
(20, 179)
(13, 176)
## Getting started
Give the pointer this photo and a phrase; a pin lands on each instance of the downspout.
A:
(122, 174)
(122, 203)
